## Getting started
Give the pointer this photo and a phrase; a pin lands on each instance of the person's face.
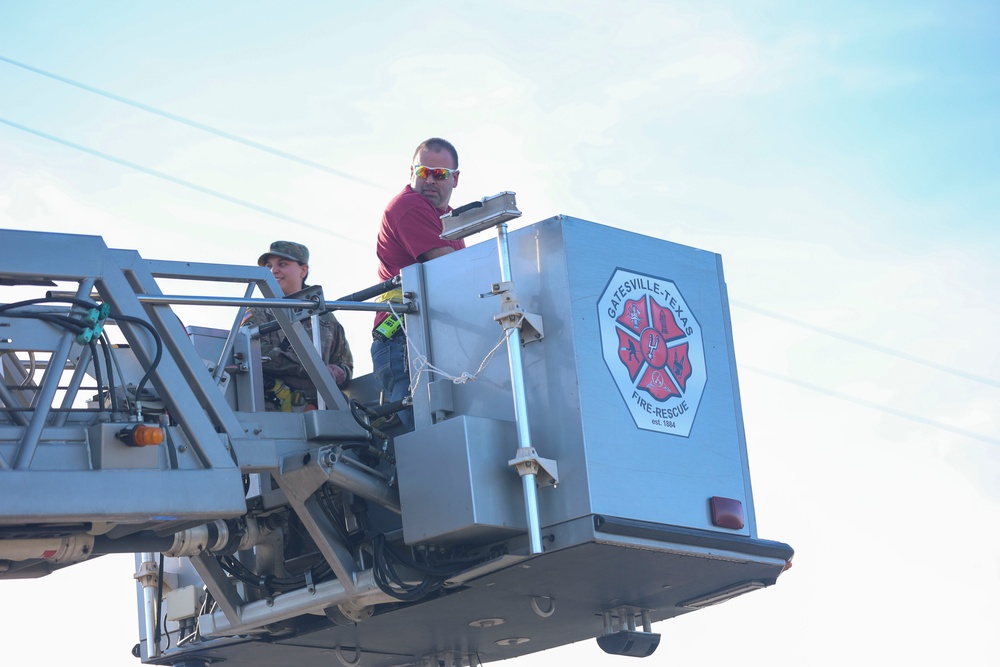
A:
(289, 274)
(437, 192)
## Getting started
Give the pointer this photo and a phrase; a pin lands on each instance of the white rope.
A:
(422, 365)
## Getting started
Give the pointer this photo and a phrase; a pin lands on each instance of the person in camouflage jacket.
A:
(288, 387)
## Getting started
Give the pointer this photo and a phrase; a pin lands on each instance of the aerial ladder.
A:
(578, 466)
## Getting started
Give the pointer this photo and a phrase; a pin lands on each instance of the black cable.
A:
(159, 602)
(156, 357)
(324, 496)
(178, 631)
(78, 326)
(172, 451)
(164, 620)
(374, 290)
(97, 374)
(385, 409)
(75, 326)
(416, 565)
(357, 407)
(269, 583)
(116, 402)
(48, 299)
(374, 433)
(435, 574)
(391, 583)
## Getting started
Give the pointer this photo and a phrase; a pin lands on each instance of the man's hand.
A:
(339, 375)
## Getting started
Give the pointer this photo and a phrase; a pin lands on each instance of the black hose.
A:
(97, 374)
(159, 602)
(109, 365)
(374, 290)
(385, 409)
(78, 326)
(48, 299)
(156, 357)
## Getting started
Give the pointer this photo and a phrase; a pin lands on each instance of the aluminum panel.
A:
(580, 413)
(454, 483)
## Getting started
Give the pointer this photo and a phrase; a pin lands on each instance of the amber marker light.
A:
(726, 512)
(141, 435)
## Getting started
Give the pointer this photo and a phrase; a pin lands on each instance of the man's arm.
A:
(435, 252)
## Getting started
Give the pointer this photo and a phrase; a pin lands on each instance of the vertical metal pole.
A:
(149, 604)
(318, 344)
(220, 367)
(528, 483)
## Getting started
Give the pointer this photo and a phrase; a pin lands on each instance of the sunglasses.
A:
(439, 173)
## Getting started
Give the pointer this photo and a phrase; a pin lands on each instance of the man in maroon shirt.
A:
(410, 233)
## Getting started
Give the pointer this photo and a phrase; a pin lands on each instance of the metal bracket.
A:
(512, 316)
(479, 215)
(628, 639)
(312, 293)
(148, 575)
(528, 462)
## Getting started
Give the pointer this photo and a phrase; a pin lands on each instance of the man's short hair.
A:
(437, 144)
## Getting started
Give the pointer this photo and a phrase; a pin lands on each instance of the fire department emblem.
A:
(652, 345)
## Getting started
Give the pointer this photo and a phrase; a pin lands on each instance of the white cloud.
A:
(719, 128)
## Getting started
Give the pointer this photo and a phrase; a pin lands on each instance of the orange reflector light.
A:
(147, 435)
(141, 435)
(726, 512)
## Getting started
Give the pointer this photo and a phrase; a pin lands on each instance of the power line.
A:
(864, 343)
(309, 163)
(178, 181)
(881, 408)
(191, 123)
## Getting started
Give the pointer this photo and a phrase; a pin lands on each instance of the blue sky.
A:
(843, 158)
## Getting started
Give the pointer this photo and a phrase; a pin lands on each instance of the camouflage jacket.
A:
(279, 361)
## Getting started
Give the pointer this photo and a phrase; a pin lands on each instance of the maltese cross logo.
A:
(652, 346)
